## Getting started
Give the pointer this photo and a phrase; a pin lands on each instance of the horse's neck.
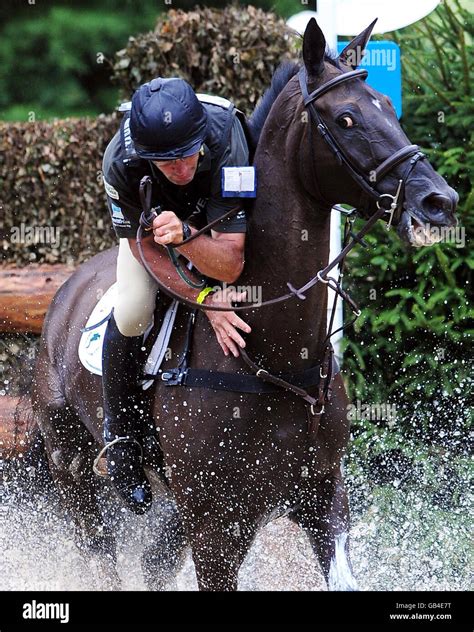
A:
(288, 241)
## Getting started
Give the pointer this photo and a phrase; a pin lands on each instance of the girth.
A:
(319, 376)
(239, 383)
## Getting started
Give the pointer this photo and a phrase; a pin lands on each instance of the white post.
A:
(326, 10)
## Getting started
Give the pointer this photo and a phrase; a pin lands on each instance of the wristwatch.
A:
(186, 231)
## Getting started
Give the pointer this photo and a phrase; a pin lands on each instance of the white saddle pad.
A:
(90, 345)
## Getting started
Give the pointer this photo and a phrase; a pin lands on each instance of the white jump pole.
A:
(326, 10)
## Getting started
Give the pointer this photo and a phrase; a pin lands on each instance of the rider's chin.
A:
(182, 181)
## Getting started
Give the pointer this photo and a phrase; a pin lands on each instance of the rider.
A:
(182, 142)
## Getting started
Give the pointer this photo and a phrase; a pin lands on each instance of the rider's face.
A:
(180, 171)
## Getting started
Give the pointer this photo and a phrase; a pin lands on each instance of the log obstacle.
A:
(15, 434)
(25, 295)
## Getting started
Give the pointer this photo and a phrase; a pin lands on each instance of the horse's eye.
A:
(345, 121)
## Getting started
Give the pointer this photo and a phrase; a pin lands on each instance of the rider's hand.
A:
(167, 228)
(225, 324)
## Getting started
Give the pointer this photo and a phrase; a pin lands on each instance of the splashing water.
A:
(340, 574)
(400, 540)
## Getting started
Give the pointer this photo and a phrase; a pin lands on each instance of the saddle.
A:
(92, 339)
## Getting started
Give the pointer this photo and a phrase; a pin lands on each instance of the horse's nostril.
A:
(440, 202)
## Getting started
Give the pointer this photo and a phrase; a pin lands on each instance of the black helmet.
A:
(167, 121)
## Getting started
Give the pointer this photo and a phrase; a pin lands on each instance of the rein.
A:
(147, 220)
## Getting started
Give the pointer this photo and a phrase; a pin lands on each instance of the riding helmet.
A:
(167, 121)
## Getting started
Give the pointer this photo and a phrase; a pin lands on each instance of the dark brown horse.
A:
(234, 461)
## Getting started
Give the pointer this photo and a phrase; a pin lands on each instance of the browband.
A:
(309, 98)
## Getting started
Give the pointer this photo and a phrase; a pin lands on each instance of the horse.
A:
(234, 461)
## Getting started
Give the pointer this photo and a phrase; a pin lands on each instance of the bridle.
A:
(391, 204)
(386, 203)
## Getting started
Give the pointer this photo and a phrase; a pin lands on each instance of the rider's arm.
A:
(225, 324)
(219, 256)
(162, 267)
(123, 199)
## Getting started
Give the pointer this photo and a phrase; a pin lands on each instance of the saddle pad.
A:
(90, 344)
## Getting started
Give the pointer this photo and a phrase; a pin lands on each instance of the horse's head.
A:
(364, 140)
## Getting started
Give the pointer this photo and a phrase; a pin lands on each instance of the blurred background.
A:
(56, 55)
(49, 51)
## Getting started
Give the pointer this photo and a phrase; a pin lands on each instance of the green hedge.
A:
(50, 177)
(413, 344)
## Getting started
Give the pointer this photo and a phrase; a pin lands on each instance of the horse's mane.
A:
(285, 71)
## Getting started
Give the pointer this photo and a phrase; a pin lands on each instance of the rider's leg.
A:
(122, 362)
(136, 294)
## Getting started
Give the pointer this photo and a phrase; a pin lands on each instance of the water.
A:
(400, 540)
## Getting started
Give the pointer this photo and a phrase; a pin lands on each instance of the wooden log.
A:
(15, 434)
(25, 295)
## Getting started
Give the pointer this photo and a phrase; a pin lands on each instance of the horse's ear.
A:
(314, 47)
(354, 52)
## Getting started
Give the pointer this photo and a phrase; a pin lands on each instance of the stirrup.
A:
(95, 466)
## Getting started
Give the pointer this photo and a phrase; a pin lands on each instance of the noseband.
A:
(392, 204)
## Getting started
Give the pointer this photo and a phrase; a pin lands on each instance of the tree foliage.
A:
(56, 54)
(58, 62)
(231, 52)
